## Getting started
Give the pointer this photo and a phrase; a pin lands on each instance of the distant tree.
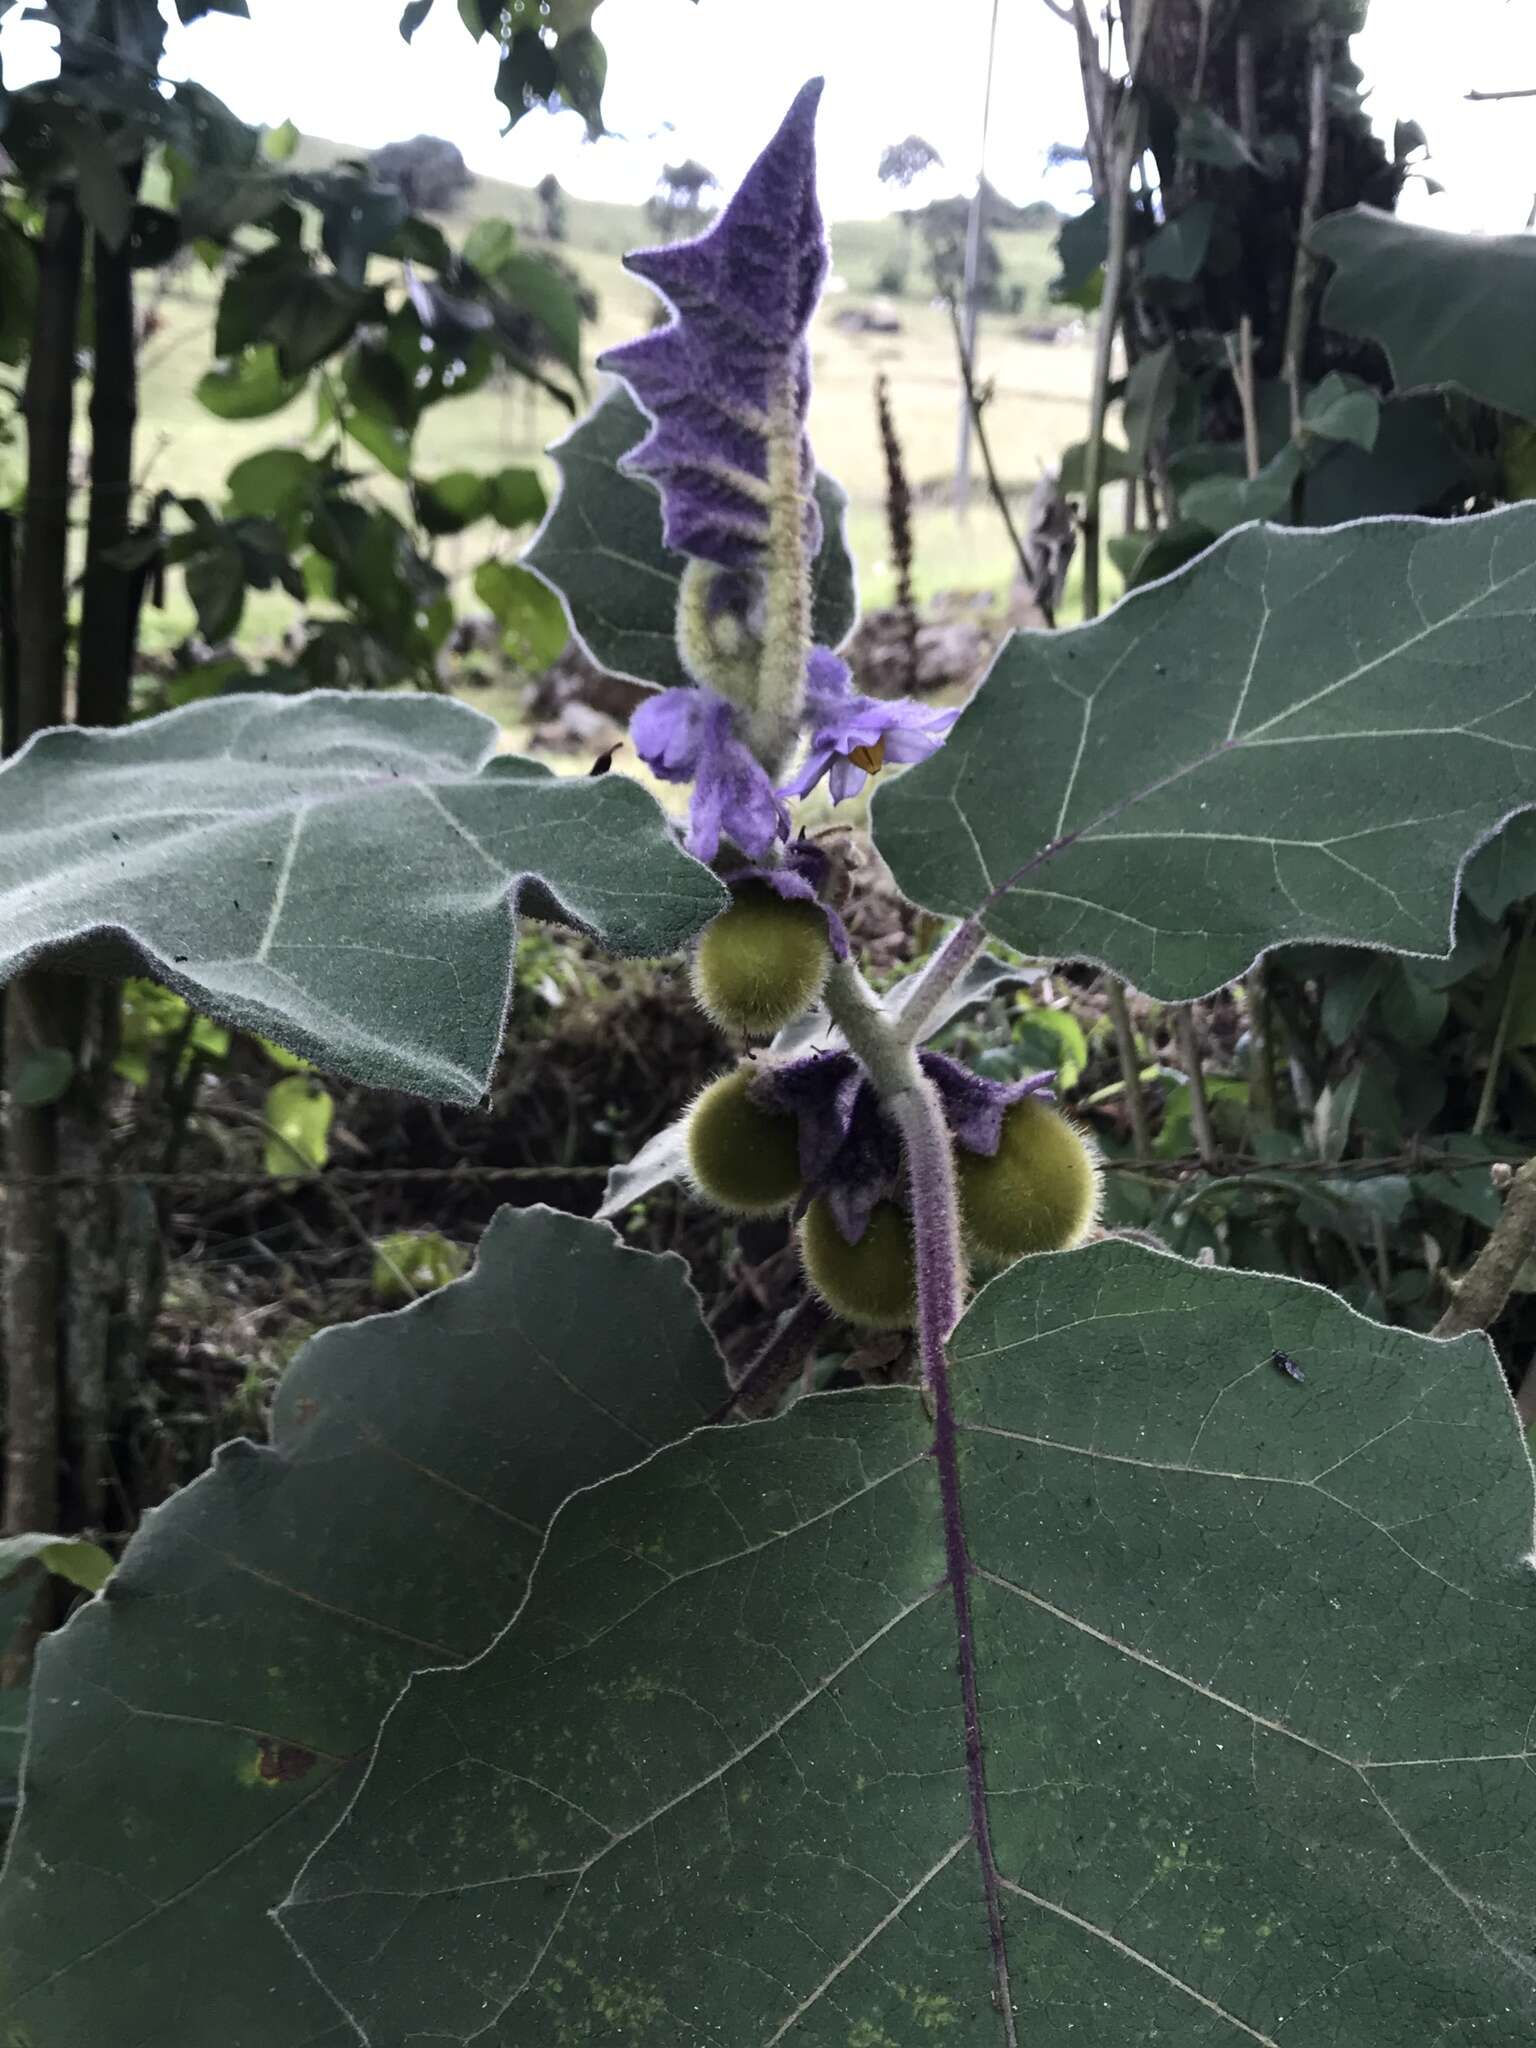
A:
(429, 173)
(552, 202)
(678, 206)
(901, 164)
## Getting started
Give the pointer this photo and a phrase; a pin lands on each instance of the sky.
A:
(710, 79)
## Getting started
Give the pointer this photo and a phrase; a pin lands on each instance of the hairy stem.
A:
(935, 1214)
(939, 977)
(774, 723)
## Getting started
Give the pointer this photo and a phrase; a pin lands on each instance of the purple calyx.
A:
(731, 370)
(801, 877)
(850, 1152)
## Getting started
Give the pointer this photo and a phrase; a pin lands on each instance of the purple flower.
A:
(690, 736)
(849, 1150)
(841, 721)
(731, 368)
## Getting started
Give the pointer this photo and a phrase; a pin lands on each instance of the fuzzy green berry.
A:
(1039, 1192)
(743, 1159)
(873, 1282)
(761, 962)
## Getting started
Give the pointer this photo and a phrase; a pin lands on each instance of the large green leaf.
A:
(339, 873)
(601, 548)
(197, 1729)
(1299, 736)
(1254, 1661)
(1448, 309)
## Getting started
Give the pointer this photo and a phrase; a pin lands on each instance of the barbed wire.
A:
(1188, 1166)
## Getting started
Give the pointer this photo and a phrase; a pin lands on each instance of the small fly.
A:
(1282, 1361)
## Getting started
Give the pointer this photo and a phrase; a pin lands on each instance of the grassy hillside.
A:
(1039, 403)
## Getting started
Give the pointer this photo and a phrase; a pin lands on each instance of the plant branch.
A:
(1513, 92)
(1489, 1095)
(1118, 202)
(108, 605)
(1199, 1102)
(764, 1383)
(1311, 200)
(974, 403)
(1479, 1296)
(1130, 1065)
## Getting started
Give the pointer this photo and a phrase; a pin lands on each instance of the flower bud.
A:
(873, 1282)
(1039, 1192)
(761, 962)
(743, 1159)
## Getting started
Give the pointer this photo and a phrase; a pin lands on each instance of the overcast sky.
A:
(711, 78)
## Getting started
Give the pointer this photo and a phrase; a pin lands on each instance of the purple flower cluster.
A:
(725, 381)
(849, 1149)
(693, 735)
(734, 354)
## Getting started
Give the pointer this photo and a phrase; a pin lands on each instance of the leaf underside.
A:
(1301, 736)
(336, 872)
(1256, 1660)
(198, 1729)
(1449, 309)
(600, 547)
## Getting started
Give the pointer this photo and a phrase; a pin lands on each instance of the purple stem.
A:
(936, 1235)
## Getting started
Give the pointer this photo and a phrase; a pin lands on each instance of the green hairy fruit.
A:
(761, 962)
(1039, 1192)
(873, 1282)
(743, 1159)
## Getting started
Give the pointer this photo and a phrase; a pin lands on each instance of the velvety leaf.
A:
(1447, 308)
(601, 548)
(413, 15)
(663, 1158)
(196, 1731)
(1504, 871)
(1300, 736)
(339, 873)
(1253, 1660)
